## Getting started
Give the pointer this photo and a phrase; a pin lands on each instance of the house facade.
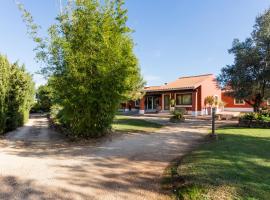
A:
(188, 94)
(238, 105)
(185, 93)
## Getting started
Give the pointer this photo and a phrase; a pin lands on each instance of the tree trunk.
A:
(257, 102)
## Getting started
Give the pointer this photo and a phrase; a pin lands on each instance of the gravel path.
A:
(38, 163)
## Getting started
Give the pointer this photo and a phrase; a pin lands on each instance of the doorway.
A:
(166, 102)
(151, 103)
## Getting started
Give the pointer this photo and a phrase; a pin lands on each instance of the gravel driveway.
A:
(38, 163)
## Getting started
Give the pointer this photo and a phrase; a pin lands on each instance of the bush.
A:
(181, 110)
(249, 116)
(263, 116)
(178, 116)
(256, 120)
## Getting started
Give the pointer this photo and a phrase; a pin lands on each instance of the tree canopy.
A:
(249, 77)
(90, 63)
(44, 96)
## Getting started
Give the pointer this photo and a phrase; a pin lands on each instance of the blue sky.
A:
(173, 37)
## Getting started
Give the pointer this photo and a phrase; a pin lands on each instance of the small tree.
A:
(91, 64)
(209, 100)
(249, 77)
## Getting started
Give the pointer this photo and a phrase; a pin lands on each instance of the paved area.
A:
(38, 163)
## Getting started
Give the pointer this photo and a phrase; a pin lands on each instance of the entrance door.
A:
(166, 102)
(150, 103)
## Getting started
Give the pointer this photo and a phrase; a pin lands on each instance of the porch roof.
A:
(182, 83)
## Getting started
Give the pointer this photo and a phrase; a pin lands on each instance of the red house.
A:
(238, 105)
(187, 93)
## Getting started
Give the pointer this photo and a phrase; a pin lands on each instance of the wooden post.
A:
(213, 121)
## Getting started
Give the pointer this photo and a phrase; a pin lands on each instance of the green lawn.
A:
(237, 166)
(127, 124)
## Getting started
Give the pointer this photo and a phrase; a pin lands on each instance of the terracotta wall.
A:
(210, 87)
(142, 105)
(229, 102)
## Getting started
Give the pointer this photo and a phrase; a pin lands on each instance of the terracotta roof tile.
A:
(190, 82)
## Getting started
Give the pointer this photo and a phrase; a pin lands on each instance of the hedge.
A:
(16, 95)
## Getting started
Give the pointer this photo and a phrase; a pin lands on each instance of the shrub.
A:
(178, 116)
(249, 116)
(181, 110)
(263, 116)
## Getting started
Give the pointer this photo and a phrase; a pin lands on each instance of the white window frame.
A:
(181, 105)
(163, 100)
(239, 103)
(137, 103)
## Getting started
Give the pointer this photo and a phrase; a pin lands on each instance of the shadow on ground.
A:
(16, 189)
(128, 166)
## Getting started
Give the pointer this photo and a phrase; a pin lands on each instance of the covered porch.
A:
(166, 101)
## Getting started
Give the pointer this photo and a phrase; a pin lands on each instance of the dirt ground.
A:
(38, 163)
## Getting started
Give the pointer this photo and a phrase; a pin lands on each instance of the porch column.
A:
(161, 103)
(199, 101)
(194, 103)
(142, 106)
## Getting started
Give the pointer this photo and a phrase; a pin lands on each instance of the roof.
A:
(182, 83)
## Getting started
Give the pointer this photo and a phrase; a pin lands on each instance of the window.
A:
(183, 99)
(239, 101)
(268, 102)
(137, 103)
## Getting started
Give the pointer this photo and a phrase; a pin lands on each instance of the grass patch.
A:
(128, 124)
(237, 166)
